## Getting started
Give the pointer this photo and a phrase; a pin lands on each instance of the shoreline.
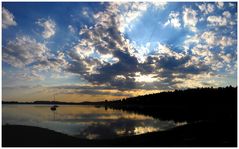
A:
(201, 134)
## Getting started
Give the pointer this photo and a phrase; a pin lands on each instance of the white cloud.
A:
(217, 21)
(190, 19)
(209, 37)
(23, 51)
(54, 63)
(124, 14)
(49, 27)
(71, 29)
(201, 50)
(127, 13)
(33, 58)
(85, 12)
(210, 8)
(202, 7)
(24, 75)
(202, 47)
(226, 41)
(131, 12)
(145, 78)
(220, 5)
(106, 36)
(206, 8)
(164, 50)
(32, 75)
(226, 57)
(225, 19)
(7, 19)
(231, 5)
(159, 4)
(192, 39)
(226, 14)
(84, 49)
(173, 20)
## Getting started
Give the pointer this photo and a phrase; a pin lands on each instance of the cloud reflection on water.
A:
(84, 121)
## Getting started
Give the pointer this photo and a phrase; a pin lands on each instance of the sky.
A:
(91, 51)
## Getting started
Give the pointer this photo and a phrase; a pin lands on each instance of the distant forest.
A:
(183, 105)
(198, 96)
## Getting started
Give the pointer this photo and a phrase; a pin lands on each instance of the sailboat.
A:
(53, 108)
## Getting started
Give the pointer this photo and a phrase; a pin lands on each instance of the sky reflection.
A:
(84, 121)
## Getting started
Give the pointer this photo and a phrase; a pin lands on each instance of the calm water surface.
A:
(84, 121)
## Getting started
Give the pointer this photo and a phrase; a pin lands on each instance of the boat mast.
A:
(54, 99)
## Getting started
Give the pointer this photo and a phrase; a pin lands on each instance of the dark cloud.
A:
(126, 66)
(77, 67)
(172, 65)
(195, 69)
(99, 92)
(170, 62)
(79, 87)
(90, 90)
(106, 38)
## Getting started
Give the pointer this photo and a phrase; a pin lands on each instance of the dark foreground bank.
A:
(201, 134)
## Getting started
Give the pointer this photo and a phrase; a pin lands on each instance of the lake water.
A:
(84, 121)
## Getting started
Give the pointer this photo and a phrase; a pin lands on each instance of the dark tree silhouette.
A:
(183, 105)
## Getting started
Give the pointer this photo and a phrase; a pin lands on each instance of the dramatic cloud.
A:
(102, 40)
(49, 27)
(121, 49)
(106, 40)
(7, 19)
(124, 68)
